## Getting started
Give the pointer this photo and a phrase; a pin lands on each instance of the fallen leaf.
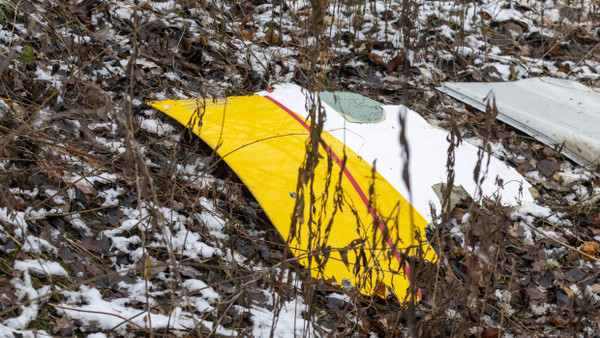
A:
(565, 68)
(376, 59)
(380, 290)
(556, 49)
(365, 326)
(189, 65)
(598, 220)
(247, 35)
(485, 16)
(330, 21)
(557, 321)
(540, 265)
(576, 274)
(94, 245)
(458, 253)
(63, 327)
(396, 64)
(535, 294)
(272, 38)
(516, 230)
(549, 152)
(8, 101)
(526, 50)
(491, 332)
(590, 248)
(535, 146)
(145, 6)
(548, 167)
(565, 302)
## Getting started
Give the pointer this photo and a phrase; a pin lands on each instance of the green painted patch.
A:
(354, 107)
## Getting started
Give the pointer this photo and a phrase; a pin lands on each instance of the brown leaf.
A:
(189, 65)
(376, 59)
(557, 321)
(535, 146)
(598, 220)
(365, 326)
(590, 248)
(396, 64)
(548, 167)
(540, 265)
(94, 245)
(516, 230)
(247, 35)
(272, 38)
(570, 294)
(88, 189)
(330, 20)
(526, 50)
(380, 290)
(458, 253)
(63, 327)
(145, 6)
(535, 294)
(565, 68)
(491, 332)
(556, 49)
(549, 152)
(511, 29)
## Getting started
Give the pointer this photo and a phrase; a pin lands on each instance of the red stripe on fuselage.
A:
(358, 189)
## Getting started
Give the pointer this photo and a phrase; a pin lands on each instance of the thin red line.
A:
(358, 189)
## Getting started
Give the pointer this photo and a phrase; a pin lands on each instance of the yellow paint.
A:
(265, 147)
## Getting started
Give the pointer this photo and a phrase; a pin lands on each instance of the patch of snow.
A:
(108, 315)
(289, 323)
(24, 290)
(41, 266)
(38, 245)
(190, 244)
(157, 127)
(16, 218)
(207, 292)
(111, 196)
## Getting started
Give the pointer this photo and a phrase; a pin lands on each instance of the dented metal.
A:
(561, 113)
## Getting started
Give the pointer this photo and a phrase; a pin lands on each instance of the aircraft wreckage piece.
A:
(363, 222)
(557, 112)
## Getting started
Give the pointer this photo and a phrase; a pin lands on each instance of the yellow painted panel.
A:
(265, 145)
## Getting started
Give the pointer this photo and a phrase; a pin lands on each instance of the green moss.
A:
(552, 264)
(44, 320)
(27, 55)
(5, 10)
